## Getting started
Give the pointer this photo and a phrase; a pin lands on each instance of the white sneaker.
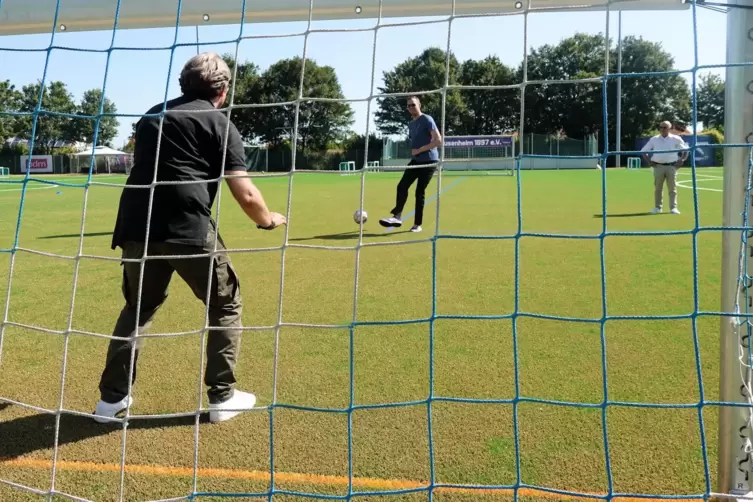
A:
(110, 410)
(675, 211)
(655, 210)
(240, 402)
(416, 228)
(390, 222)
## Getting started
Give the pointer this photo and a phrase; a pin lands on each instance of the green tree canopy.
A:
(50, 128)
(245, 88)
(424, 72)
(83, 129)
(710, 100)
(575, 109)
(647, 100)
(10, 102)
(319, 122)
(488, 111)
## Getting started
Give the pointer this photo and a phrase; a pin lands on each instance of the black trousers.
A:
(423, 175)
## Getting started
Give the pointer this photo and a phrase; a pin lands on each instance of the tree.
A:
(710, 100)
(577, 109)
(354, 148)
(50, 128)
(647, 100)
(131, 142)
(488, 111)
(319, 122)
(246, 88)
(574, 108)
(84, 129)
(424, 72)
(10, 101)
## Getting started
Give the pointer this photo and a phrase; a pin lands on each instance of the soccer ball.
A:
(360, 216)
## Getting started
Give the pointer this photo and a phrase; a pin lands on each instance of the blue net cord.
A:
(517, 314)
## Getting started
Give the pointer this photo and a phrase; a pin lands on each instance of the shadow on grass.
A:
(73, 236)
(625, 215)
(345, 236)
(25, 435)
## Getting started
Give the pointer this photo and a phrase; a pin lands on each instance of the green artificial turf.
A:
(651, 451)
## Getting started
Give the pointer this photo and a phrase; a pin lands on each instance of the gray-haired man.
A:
(192, 148)
(665, 165)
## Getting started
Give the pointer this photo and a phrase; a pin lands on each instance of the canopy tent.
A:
(106, 160)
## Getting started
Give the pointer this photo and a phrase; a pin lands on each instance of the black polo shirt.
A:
(191, 149)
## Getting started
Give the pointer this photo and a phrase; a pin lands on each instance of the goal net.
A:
(553, 346)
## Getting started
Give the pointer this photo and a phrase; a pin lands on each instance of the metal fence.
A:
(556, 146)
(531, 144)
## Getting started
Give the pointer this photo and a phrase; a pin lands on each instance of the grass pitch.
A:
(561, 445)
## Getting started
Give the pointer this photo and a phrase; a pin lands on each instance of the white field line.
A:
(17, 187)
(699, 178)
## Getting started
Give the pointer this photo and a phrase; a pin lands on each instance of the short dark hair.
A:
(414, 97)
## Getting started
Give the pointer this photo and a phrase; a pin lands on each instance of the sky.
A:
(138, 79)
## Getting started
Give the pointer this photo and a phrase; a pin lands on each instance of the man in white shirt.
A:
(666, 164)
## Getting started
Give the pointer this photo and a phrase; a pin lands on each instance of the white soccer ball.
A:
(360, 216)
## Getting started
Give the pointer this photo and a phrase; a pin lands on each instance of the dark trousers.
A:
(423, 175)
(225, 308)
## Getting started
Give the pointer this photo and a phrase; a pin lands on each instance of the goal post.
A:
(23, 17)
(458, 153)
(735, 432)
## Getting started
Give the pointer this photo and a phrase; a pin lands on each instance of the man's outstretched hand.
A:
(277, 220)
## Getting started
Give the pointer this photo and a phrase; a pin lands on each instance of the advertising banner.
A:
(476, 141)
(38, 164)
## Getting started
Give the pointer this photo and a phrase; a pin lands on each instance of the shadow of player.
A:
(626, 215)
(75, 236)
(345, 236)
(28, 434)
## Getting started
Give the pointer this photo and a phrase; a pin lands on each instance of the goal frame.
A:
(19, 17)
(734, 464)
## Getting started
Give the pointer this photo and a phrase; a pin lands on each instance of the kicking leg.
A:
(409, 176)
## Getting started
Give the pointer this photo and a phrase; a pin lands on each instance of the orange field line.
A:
(290, 477)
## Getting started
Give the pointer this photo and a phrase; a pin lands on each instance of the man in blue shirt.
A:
(424, 138)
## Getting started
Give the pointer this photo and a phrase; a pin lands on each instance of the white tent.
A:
(100, 150)
(106, 160)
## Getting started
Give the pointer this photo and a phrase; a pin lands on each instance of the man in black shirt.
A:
(197, 144)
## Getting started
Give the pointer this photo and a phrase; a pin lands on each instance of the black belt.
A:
(666, 163)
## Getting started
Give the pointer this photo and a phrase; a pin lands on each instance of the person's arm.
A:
(685, 151)
(245, 193)
(252, 202)
(646, 148)
(436, 139)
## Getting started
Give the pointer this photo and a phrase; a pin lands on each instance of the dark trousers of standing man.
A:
(225, 308)
(423, 175)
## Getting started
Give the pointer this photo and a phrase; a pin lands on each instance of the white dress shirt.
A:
(671, 142)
